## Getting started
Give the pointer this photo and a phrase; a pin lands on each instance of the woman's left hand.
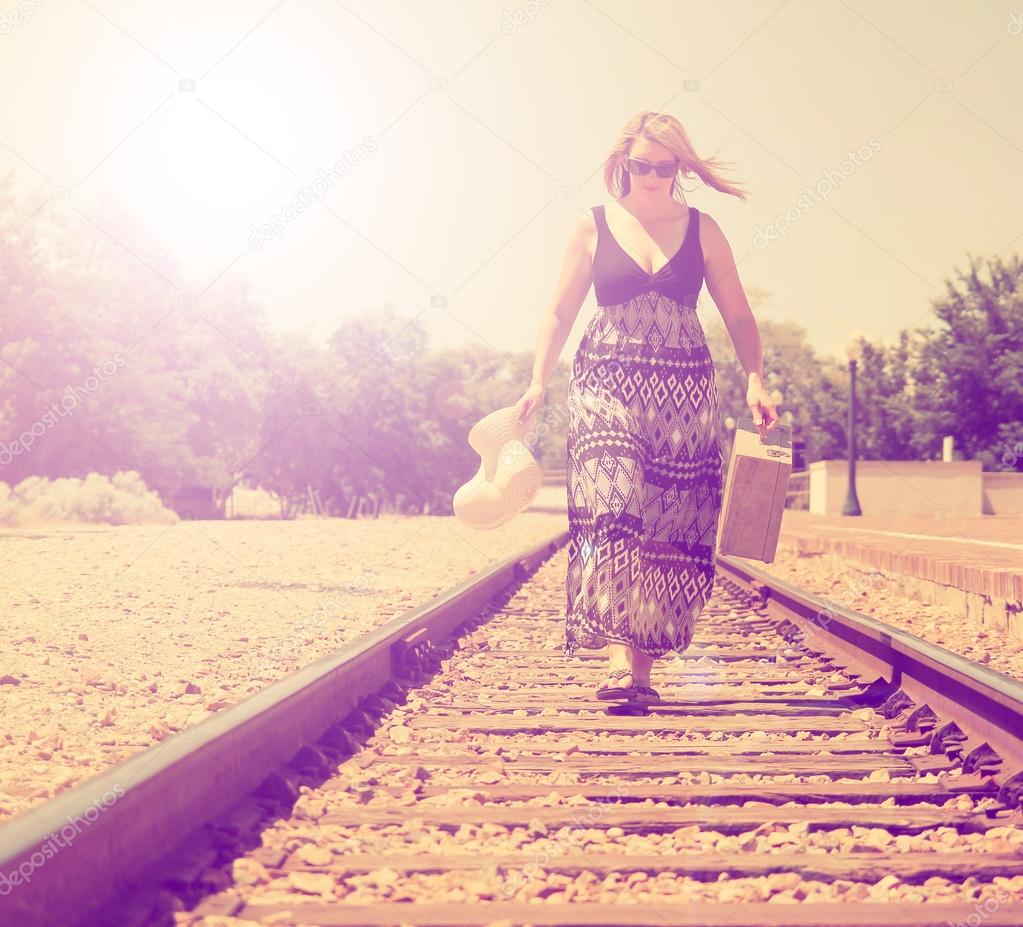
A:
(765, 415)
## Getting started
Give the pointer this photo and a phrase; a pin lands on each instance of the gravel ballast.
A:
(871, 593)
(114, 638)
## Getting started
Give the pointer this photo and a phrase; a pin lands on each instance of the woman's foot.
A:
(643, 691)
(646, 695)
(619, 684)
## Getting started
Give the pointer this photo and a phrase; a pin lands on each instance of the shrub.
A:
(123, 499)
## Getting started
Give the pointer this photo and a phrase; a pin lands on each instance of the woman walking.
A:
(644, 447)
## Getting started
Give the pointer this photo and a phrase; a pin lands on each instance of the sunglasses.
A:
(641, 168)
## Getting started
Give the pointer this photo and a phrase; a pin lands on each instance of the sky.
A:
(432, 157)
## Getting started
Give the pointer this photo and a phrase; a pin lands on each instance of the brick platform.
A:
(973, 563)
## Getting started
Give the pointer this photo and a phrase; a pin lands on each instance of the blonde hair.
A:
(666, 130)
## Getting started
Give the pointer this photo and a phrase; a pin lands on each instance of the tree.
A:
(104, 368)
(814, 390)
(887, 421)
(968, 380)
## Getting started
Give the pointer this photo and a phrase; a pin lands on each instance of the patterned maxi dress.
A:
(644, 455)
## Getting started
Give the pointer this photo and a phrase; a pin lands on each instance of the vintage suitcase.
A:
(754, 493)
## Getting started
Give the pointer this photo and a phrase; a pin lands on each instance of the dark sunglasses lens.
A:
(639, 168)
(666, 170)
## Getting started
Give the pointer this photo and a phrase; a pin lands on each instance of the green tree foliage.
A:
(813, 389)
(105, 367)
(969, 378)
(887, 422)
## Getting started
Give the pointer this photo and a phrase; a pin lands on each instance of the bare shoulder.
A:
(583, 235)
(713, 242)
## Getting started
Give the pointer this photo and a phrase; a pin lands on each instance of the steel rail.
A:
(981, 709)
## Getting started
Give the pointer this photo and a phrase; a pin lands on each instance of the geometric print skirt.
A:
(644, 473)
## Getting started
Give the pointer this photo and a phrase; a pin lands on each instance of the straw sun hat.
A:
(509, 476)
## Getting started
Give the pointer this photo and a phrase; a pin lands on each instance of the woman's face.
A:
(643, 149)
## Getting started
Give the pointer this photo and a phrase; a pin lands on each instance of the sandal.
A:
(613, 692)
(647, 695)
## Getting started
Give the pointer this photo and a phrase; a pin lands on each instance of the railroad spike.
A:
(373, 704)
(760, 593)
(981, 758)
(946, 735)
(358, 720)
(391, 690)
(922, 719)
(337, 738)
(279, 788)
(310, 760)
(895, 704)
(909, 739)
(1010, 792)
(874, 693)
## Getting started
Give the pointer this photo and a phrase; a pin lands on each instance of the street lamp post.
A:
(851, 506)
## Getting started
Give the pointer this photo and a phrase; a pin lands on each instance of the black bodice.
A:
(617, 277)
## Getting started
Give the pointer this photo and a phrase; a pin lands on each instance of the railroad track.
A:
(806, 766)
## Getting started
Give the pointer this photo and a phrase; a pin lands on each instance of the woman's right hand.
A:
(530, 402)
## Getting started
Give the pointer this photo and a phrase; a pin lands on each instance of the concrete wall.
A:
(1003, 493)
(921, 487)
